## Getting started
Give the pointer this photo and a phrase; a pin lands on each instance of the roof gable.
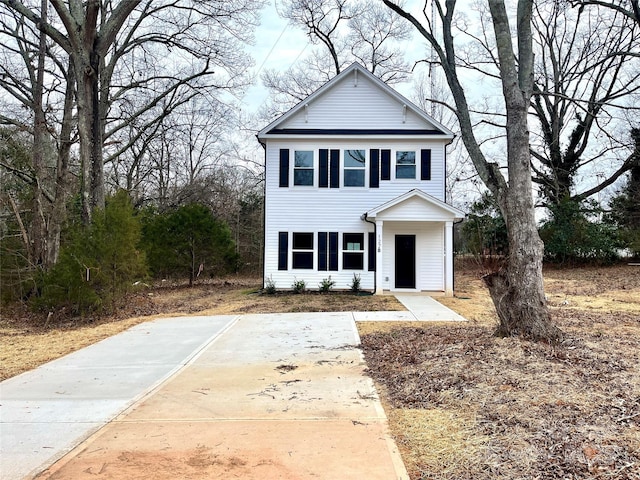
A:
(416, 205)
(355, 102)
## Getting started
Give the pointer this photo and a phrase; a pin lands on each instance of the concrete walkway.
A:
(257, 396)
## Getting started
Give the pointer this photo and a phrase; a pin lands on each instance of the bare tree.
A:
(585, 76)
(629, 8)
(97, 35)
(322, 21)
(517, 290)
(44, 109)
(343, 31)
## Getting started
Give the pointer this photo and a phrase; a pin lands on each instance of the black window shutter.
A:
(372, 251)
(322, 251)
(333, 250)
(284, 168)
(283, 250)
(323, 168)
(374, 168)
(335, 168)
(385, 167)
(425, 164)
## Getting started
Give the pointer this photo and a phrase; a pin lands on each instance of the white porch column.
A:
(379, 255)
(448, 259)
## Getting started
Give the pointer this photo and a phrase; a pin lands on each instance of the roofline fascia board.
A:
(277, 136)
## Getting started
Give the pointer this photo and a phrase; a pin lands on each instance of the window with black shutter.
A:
(353, 251)
(303, 167)
(354, 168)
(405, 164)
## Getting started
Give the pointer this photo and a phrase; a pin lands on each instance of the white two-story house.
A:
(355, 184)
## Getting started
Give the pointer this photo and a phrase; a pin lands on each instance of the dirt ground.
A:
(462, 404)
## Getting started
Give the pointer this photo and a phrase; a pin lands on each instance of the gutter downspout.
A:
(365, 218)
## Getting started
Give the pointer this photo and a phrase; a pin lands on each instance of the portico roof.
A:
(415, 205)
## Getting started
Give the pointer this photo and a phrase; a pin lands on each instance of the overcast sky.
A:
(279, 45)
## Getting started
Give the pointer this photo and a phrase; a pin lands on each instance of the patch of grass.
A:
(438, 440)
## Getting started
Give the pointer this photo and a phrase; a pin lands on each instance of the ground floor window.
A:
(353, 251)
(302, 250)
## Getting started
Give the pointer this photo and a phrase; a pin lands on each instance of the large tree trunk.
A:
(92, 184)
(517, 291)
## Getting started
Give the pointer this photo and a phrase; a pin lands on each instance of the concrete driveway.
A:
(255, 397)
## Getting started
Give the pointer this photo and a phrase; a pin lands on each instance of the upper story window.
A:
(303, 167)
(354, 168)
(405, 164)
(302, 250)
(353, 251)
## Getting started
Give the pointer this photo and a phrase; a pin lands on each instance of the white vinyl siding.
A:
(314, 209)
(362, 107)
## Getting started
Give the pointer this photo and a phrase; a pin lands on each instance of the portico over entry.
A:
(414, 243)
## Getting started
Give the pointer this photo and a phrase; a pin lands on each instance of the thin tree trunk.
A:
(59, 210)
(23, 231)
(38, 224)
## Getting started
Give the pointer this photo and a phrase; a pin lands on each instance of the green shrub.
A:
(355, 284)
(299, 286)
(484, 231)
(326, 284)
(98, 264)
(574, 234)
(270, 286)
(188, 241)
(624, 214)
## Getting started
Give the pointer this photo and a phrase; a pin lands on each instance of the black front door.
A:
(405, 261)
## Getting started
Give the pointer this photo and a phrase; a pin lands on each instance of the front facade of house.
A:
(355, 185)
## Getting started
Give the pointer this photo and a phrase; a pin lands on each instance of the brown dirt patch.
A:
(464, 404)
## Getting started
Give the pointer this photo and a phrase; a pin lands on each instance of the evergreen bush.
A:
(98, 263)
(187, 242)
